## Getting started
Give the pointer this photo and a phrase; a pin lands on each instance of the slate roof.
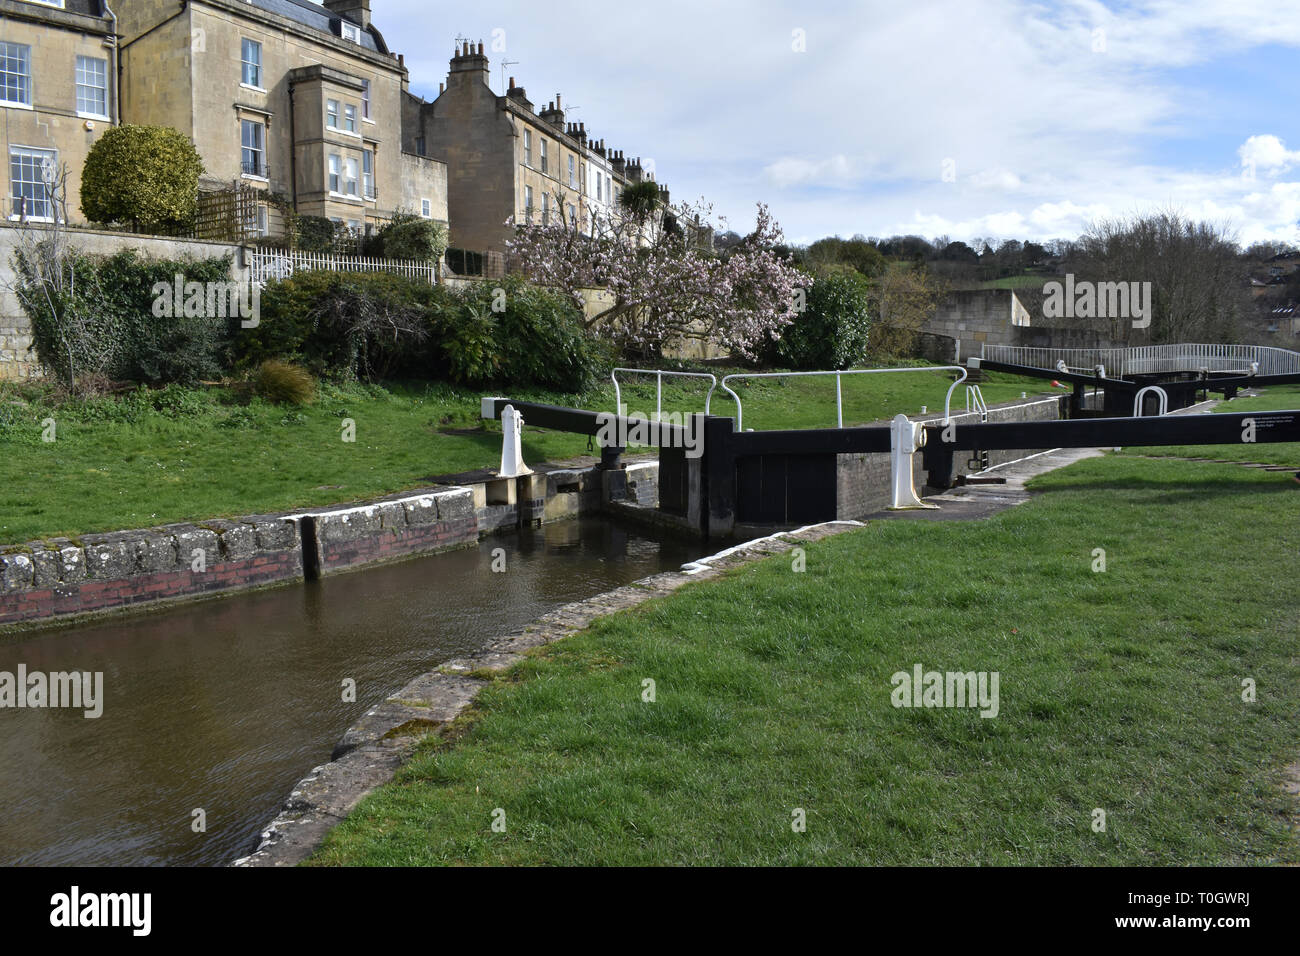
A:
(312, 15)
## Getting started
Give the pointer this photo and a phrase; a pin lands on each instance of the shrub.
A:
(408, 236)
(144, 176)
(832, 332)
(539, 335)
(283, 383)
(314, 233)
(104, 324)
(372, 326)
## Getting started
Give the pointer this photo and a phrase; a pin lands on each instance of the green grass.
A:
(1033, 281)
(185, 455)
(1120, 691)
(1271, 399)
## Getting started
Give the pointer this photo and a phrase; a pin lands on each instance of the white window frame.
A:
(102, 89)
(335, 167)
(528, 204)
(528, 148)
(365, 102)
(349, 117)
(573, 175)
(23, 54)
(255, 81)
(350, 31)
(352, 177)
(546, 208)
(546, 159)
(426, 208)
(368, 175)
(37, 156)
(332, 115)
(260, 149)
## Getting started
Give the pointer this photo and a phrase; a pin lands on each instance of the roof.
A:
(311, 15)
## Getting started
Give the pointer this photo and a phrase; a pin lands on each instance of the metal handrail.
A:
(659, 386)
(1240, 359)
(975, 397)
(1163, 407)
(839, 395)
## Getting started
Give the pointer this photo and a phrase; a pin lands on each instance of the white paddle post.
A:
(512, 456)
(906, 438)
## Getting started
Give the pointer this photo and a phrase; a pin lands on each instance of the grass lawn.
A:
(1271, 399)
(185, 455)
(1119, 691)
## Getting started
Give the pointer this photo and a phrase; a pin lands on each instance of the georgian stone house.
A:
(57, 63)
(298, 99)
(508, 162)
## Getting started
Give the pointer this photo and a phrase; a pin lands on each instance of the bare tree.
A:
(1197, 288)
(55, 289)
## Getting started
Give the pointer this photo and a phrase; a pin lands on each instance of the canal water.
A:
(222, 706)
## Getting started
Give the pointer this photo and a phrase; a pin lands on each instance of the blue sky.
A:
(965, 118)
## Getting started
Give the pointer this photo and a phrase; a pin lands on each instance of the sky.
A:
(970, 119)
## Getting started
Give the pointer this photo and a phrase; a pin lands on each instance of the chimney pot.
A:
(512, 82)
(557, 101)
(480, 47)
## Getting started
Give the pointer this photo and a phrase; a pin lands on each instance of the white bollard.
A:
(512, 456)
(906, 438)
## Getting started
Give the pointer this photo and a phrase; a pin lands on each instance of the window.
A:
(252, 58)
(92, 86)
(544, 163)
(600, 186)
(351, 182)
(332, 114)
(253, 141)
(30, 193)
(572, 175)
(528, 148)
(255, 223)
(546, 209)
(368, 173)
(350, 118)
(15, 74)
(351, 31)
(426, 208)
(365, 99)
(354, 226)
(335, 164)
(573, 215)
(528, 204)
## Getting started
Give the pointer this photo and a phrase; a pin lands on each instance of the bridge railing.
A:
(839, 391)
(1148, 359)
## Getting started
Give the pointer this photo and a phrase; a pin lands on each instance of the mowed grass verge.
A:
(175, 454)
(1275, 398)
(1120, 691)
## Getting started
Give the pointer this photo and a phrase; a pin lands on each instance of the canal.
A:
(223, 705)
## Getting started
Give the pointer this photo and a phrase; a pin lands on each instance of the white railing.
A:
(659, 387)
(839, 393)
(267, 264)
(975, 402)
(1148, 359)
(1161, 395)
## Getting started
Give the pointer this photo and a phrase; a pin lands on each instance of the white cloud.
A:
(851, 135)
(1266, 154)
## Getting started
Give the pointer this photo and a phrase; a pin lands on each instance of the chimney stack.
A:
(355, 11)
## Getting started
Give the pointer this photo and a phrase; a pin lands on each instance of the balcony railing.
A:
(256, 167)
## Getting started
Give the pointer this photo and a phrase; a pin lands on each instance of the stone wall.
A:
(64, 577)
(17, 361)
(977, 316)
(863, 480)
(390, 529)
